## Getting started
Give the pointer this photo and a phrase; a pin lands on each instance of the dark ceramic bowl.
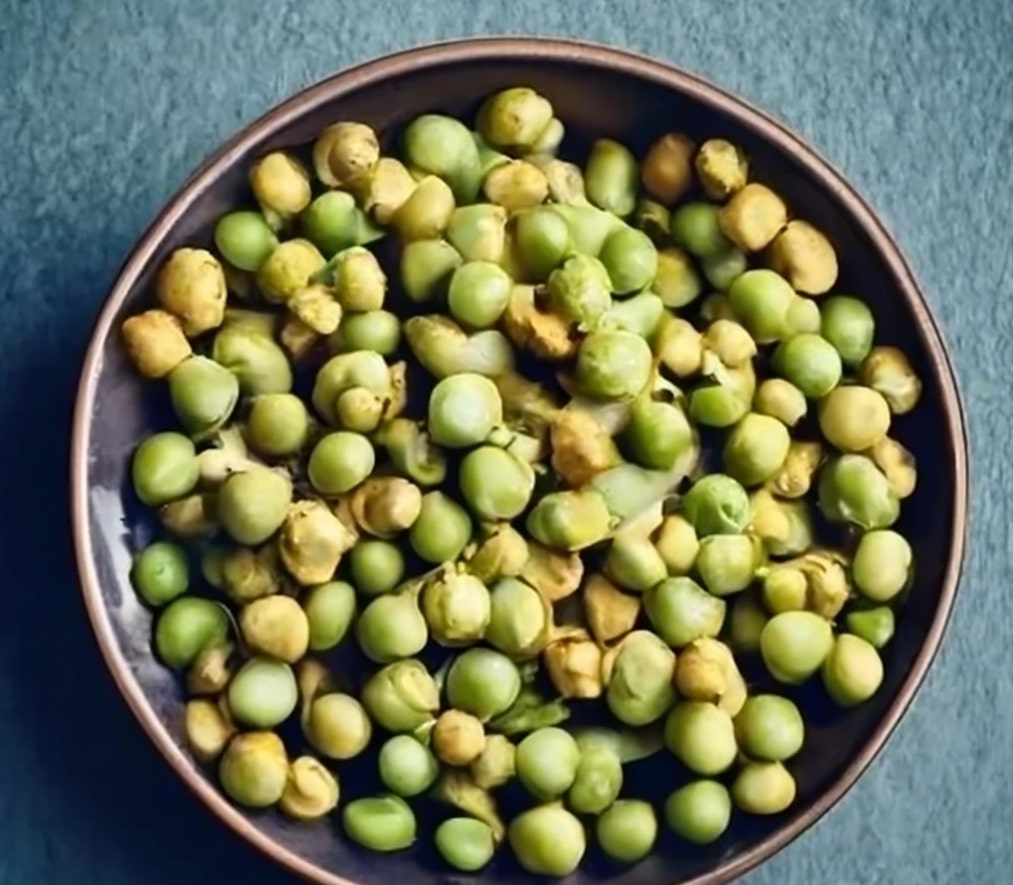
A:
(596, 91)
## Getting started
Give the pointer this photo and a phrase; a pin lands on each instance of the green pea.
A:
(761, 300)
(785, 589)
(848, 325)
(377, 566)
(463, 410)
(340, 461)
(717, 504)
(277, 425)
(630, 258)
(641, 678)
(483, 682)
(854, 418)
(677, 543)
(186, 627)
(782, 400)
(810, 363)
(881, 567)
(580, 291)
(380, 823)
(794, 645)
(755, 449)
(330, 610)
(875, 625)
(613, 364)
(203, 395)
(478, 232)
(263, 693)
(699, 812)
(160, 573)
(407, 768)
(465, 843)
(330, 222)
(769, 728)
(244, 239)
(852, 489)
(642, 314)
(378, 331)
(478, 294)
(426, 268)
(763, 788)
(255, 358)
(680, 610)
(724, 396)
(695, 227)
(252, 505)
(627, 830)
(547, 762)
(634, 563)
(542, 240)
(746, 621)
(657, 434)
(597, 783)
(164, 468)
(337, 726)
(443, 146)
(547, 840)
(803, 316)
(701, 736)
(724, 268)
(392, 627)
(727, 563)
(852, 671)
(612, 177)
(402, 696)
(442, 529)
(496, 484)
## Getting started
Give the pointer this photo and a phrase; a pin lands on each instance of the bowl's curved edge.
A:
(534, 48)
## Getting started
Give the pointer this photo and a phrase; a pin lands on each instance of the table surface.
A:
(105, 108)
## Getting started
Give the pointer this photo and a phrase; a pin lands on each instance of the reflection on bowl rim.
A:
(534, 49)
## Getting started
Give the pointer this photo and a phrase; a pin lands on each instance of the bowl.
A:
(595, 90)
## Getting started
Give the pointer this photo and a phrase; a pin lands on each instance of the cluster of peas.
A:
(548, 481)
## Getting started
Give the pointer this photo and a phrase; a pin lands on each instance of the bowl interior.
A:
(593, 97)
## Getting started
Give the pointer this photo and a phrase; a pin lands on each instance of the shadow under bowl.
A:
(597, 91)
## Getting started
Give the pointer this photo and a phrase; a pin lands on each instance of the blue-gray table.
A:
(107, 105)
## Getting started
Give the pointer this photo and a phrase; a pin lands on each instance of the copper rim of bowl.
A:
(475, 50)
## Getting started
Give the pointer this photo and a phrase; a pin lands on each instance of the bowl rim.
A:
(477, 49)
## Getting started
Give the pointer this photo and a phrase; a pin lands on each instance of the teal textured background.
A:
(105, 108)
